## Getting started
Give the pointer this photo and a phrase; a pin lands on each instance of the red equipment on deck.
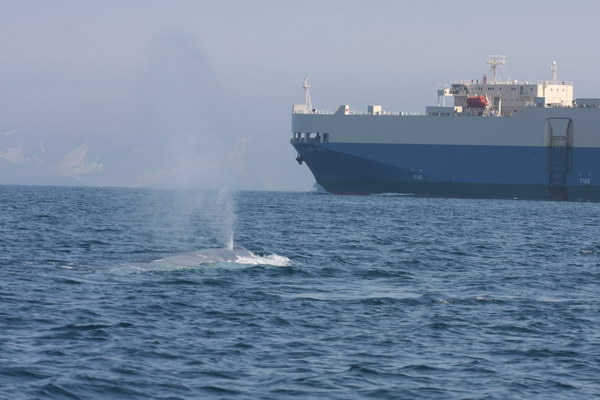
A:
(477, 101)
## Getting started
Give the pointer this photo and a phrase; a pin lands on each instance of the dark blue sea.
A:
(346, 297)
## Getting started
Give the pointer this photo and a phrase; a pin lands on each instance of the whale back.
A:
(206, 256)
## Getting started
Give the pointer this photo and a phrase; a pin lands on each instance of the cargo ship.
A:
(499, 139)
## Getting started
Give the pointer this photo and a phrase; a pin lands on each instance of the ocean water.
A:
(345, 297)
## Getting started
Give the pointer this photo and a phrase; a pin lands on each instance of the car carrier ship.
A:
(500, 139)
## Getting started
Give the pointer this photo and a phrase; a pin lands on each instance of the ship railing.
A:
(357, 112)
(555, 83)
(394, 113)
(314, 111)
(480, 82)
(489, 82)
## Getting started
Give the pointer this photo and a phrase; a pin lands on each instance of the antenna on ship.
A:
(494, 61)
(306, 87)
(554, 69)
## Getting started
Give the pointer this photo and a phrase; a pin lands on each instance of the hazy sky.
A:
(199, 93)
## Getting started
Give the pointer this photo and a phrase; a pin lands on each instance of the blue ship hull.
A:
(452, 170)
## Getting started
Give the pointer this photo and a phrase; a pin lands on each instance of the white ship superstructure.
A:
(507, 97)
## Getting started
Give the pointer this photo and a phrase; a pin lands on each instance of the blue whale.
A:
(206, 256)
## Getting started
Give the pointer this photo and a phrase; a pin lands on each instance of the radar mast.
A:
(554, 69)
(494, 61)
(307, 100)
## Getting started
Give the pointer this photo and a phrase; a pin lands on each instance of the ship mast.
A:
(554, 69)
(307, 100)
(494, 61)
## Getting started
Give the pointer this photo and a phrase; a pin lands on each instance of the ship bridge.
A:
(508, 97)
(505, 97)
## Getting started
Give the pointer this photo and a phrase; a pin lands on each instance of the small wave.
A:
(393, 194)
(468, 300)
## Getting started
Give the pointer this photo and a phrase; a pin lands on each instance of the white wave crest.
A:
(271, 259)
(386, 194)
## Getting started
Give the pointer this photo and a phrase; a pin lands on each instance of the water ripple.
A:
(380, 297)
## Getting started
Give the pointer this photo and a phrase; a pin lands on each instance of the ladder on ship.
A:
(559, 167)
